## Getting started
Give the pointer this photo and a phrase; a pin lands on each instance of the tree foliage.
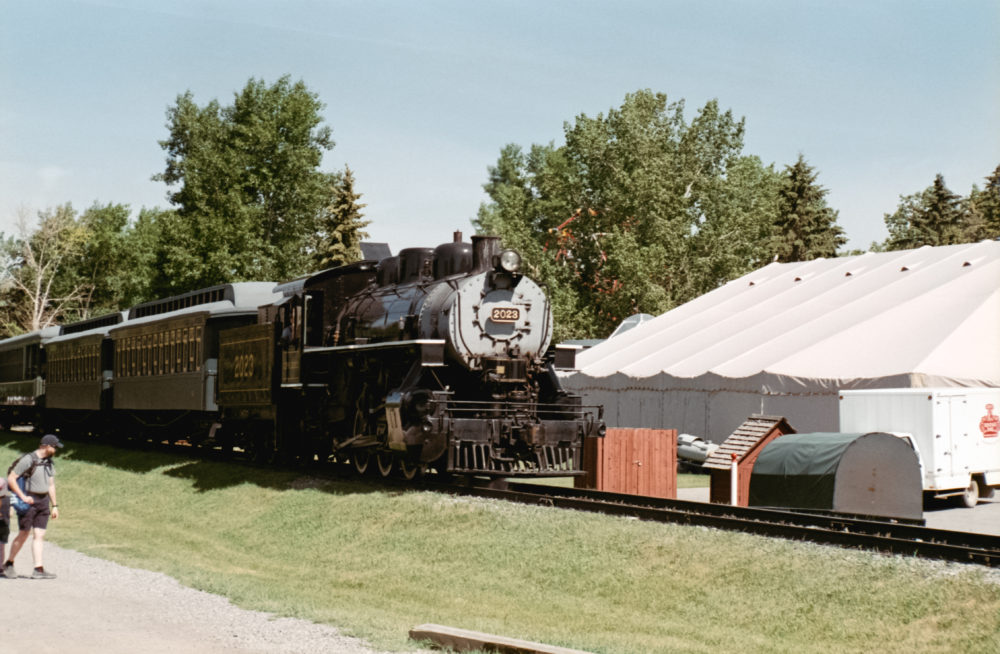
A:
(68, 267)
(806, 228)
(937, 216)
(36, 291)
(984, 206)
(246, 184)
(340, 227)
(638, 211)
(114, 267)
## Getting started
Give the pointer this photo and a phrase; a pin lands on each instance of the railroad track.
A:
(844, 531)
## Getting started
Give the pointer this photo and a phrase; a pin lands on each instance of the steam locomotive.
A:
(434, 358)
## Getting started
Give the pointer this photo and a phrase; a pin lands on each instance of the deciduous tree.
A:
(34, 288)
(246, 183)
(638, 211)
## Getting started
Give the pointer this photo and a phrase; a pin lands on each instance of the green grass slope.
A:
(376, 562)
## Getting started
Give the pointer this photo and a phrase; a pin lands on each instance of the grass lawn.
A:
(376, 562)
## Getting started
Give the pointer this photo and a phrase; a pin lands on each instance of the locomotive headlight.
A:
(510, 261)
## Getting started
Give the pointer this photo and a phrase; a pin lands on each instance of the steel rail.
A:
(882, 536)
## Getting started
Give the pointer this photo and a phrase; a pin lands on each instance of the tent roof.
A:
(933, 311)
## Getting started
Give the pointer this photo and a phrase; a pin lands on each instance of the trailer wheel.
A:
(971, 495)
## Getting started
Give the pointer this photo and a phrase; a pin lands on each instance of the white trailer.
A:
(954, 431)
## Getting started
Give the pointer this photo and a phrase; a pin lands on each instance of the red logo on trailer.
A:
(990, 424)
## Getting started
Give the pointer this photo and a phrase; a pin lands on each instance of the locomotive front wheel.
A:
(384, 461)
(361, 460)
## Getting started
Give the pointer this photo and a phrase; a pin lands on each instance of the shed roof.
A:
(746, 437)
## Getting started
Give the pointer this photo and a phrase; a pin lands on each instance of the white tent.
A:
(784, 339)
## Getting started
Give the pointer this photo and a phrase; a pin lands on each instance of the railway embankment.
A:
(375, 561)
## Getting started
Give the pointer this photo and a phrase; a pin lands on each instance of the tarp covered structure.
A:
(784, 339)
(872, 474)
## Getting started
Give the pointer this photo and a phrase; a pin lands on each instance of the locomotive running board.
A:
(431, 349)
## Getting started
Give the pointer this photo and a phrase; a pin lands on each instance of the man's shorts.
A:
(4, 518)
(37, 517)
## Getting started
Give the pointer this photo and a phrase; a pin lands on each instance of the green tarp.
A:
(799, 470)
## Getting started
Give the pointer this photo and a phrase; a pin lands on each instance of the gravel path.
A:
(101, 607)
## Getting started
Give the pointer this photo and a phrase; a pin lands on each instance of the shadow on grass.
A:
(128, 459)
(205, 474)
(215, 475)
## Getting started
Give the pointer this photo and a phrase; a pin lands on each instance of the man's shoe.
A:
(40, 573)
(9, 571)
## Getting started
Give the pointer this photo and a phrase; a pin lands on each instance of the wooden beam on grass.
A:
(463, 640)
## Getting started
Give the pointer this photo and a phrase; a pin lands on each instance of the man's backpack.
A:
(20, 506)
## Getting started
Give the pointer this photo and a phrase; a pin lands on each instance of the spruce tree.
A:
(985, 209)
(935, 216)
(341, 225)
(806, 228)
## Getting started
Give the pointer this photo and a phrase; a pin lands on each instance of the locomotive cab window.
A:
(291, 319)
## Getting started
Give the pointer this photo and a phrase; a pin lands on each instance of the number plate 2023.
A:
(505, 314)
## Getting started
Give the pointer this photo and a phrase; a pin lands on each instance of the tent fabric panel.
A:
(898, 341)
(705, 407)
(831, 329)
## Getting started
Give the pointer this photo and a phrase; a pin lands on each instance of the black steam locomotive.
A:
(435, 358)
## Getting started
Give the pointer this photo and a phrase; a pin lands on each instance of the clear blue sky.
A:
(878, 96)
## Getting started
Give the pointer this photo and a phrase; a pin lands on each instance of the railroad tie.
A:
(463, 640)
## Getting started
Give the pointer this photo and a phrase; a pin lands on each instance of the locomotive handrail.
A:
(373, 346)
(510, 408)
(431, 349)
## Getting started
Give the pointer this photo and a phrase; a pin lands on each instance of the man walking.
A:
(4, 520)
(40, 493)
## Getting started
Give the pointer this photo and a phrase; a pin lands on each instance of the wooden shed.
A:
(746, 443)
(634, 461)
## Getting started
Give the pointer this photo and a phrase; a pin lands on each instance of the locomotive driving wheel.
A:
(361, 460)
(385, 461)
(410, 470)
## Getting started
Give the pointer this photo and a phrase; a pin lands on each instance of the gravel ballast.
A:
(98, 606)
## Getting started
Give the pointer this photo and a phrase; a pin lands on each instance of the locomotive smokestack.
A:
(483, 250)
(457, 236)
